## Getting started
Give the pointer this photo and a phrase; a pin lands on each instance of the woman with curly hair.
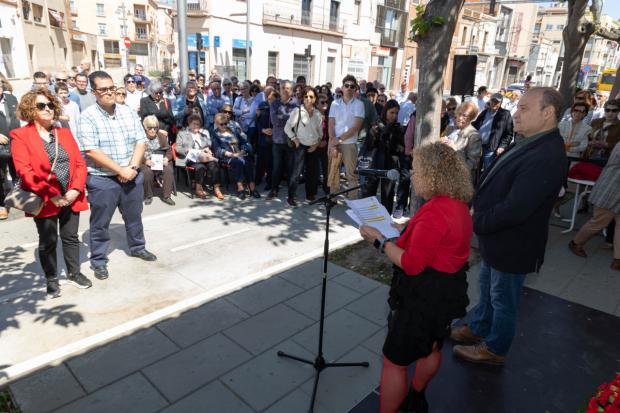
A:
(429, 284)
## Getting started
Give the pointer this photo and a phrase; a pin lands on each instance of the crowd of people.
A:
(80, 141)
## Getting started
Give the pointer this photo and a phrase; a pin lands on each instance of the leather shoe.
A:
(478, 353)
(168, 201)
(4, 214)
(148, 201)
(577, 249)
(463, 334)
(101, 272)
(615, 264)
(144, 255)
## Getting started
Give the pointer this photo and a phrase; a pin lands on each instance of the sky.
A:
(612, 8)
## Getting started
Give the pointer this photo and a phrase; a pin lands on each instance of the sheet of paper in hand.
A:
(157, 162)
(369, 211)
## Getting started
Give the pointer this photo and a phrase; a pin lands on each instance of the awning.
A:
(56, 15)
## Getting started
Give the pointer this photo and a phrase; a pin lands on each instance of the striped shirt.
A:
(115, 135)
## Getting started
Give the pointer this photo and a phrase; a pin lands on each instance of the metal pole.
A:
(247, 40)
(125, 33)
(183, 61)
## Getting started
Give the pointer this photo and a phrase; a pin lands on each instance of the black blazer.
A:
(513, 203)
(8, 117)
(164, 114)
(501, 129)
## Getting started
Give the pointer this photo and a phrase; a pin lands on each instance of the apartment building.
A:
(12, 46)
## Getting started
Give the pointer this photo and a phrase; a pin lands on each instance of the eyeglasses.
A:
(152, 128)
(310, 97)
(121, 94)
(228, 112)
(130, 81)
(71, 78)
(579, 111)
(104, 90)
(158, 92)
(222, 124)
(454, 108)
(322, 102)
(60, 80)
(611, 110)
(41, 106)
(227, 84)
(339, 95)
(349, 85)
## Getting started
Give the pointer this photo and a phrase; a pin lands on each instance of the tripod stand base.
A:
(319, 365)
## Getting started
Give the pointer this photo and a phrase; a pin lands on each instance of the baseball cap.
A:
(137, 78)
(497, 96)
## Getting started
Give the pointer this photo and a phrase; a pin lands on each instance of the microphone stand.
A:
(319, 363)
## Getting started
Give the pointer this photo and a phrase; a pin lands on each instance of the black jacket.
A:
(501, 129)
(513, 203)
(8, 117)
(163, 113)
(386, 145)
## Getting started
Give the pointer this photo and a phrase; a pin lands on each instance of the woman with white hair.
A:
(156, 104)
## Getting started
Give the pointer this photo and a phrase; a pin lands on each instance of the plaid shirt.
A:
(115, 135)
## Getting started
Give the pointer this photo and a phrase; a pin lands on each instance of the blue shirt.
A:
(245, 112)
(280, 112)
(213, 106)
(485, 128)
(115, 135)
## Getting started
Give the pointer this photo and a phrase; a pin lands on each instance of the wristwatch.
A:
(380, 244)
(135, 167)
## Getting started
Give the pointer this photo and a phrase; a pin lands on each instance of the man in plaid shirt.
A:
(113, 140)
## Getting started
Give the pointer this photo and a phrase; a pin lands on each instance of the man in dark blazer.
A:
(8, 122)
(495, 127)
(512, 206)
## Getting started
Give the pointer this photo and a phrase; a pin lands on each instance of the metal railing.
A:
(195, 6)
(276, 14)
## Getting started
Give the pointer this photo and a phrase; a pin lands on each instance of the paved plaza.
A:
(235, 282)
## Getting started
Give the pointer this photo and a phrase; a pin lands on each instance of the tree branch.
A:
(613, 34)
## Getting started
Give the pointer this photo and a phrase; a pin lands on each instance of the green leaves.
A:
(421, 24)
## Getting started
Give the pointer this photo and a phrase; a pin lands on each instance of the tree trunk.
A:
(433, 53)
(576, 34)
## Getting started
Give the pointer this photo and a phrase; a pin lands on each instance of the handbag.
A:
(289, 141)
(27, 201)
(5, 151)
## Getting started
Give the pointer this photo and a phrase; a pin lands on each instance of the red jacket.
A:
(33, 167)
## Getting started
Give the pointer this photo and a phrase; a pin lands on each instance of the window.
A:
(301, 67)
(537, 27)
(140, 49)
(306, 12)
(559, 27)
(357, 68)
(239, 63)
(549, 27)
(103, 30)
(272, 64)
(141, 32)
(464, 37)
(37, 13)
(139, 13)
(74, 24)
(100, 9)
(26, 9)
(356, 11)
(72, 7)
(334, 12)
(110, 46)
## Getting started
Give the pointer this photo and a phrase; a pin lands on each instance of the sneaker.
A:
(4, 214)
(168, 201)
(101, 272)
(79, 280)
(291, 201)
(145, 255)
(255, 194)
(148, 201)
(272, 195)
(398, 213)
(53, 288)
(478, 353)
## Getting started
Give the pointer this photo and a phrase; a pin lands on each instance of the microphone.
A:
(391, 174)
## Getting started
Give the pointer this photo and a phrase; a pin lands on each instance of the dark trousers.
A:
(403, 193)
(48, 239)
(149, 180)
(301, 158)
(6, 164)
(105, 194)
(242, 169)
(324, 165)
(208, 170)
(282, 159)
(252, 135)
(264, 164)
(387, 190)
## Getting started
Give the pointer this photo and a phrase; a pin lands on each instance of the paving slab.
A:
(268, 328)
(263, 294)
(133, 394)
(336, 297)
(375, 342)
(310, 273)
(46, 390)
(373, 306)
(357, 282)
(267, 378)
(296, 401)
(195, 366)
(199, 323)
(343, 331)
(112, 361)
(212, 398)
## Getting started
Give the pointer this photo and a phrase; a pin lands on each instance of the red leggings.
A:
(394, 387)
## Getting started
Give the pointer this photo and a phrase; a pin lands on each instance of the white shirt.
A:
(512, 107)
(72, 110)
(345, 114)
(482, 103)
(401, 97)
(133, 99)
(405, 112)
(310, 129)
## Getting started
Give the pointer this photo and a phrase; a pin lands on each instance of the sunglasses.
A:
(450, 108)
(42, 106)
(152, 128)
(349, 85)
(122, 94)
(611, 110)
(322, 102)
(579, 111)
(104, 90)
(227, 84)
(228, 112)
(222, 124)
(309, 97)
(130, 81)
(60, 80)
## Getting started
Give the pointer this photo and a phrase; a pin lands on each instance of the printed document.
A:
(369, 211)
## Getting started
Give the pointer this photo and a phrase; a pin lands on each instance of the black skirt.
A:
(422, 309)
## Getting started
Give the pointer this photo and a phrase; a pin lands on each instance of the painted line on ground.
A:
(208, 240)
(57, 356)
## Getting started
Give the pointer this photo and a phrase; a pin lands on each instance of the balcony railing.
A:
(196, 7)
(389, 37)
(396, 4)
(139, 14)
(142, 36)
(275, 14)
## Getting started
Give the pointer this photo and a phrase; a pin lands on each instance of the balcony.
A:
(139, 16)
(142, 36)
(389, 37)
(275, 14)
(396, 4)
(197, 8)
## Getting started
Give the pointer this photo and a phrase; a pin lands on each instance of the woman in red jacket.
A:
(34, 150)
(429, 285)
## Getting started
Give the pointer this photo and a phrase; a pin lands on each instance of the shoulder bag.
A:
(27, 201)
(291, 143)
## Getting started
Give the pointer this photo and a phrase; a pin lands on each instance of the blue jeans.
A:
(495, 316)
(487, 159)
